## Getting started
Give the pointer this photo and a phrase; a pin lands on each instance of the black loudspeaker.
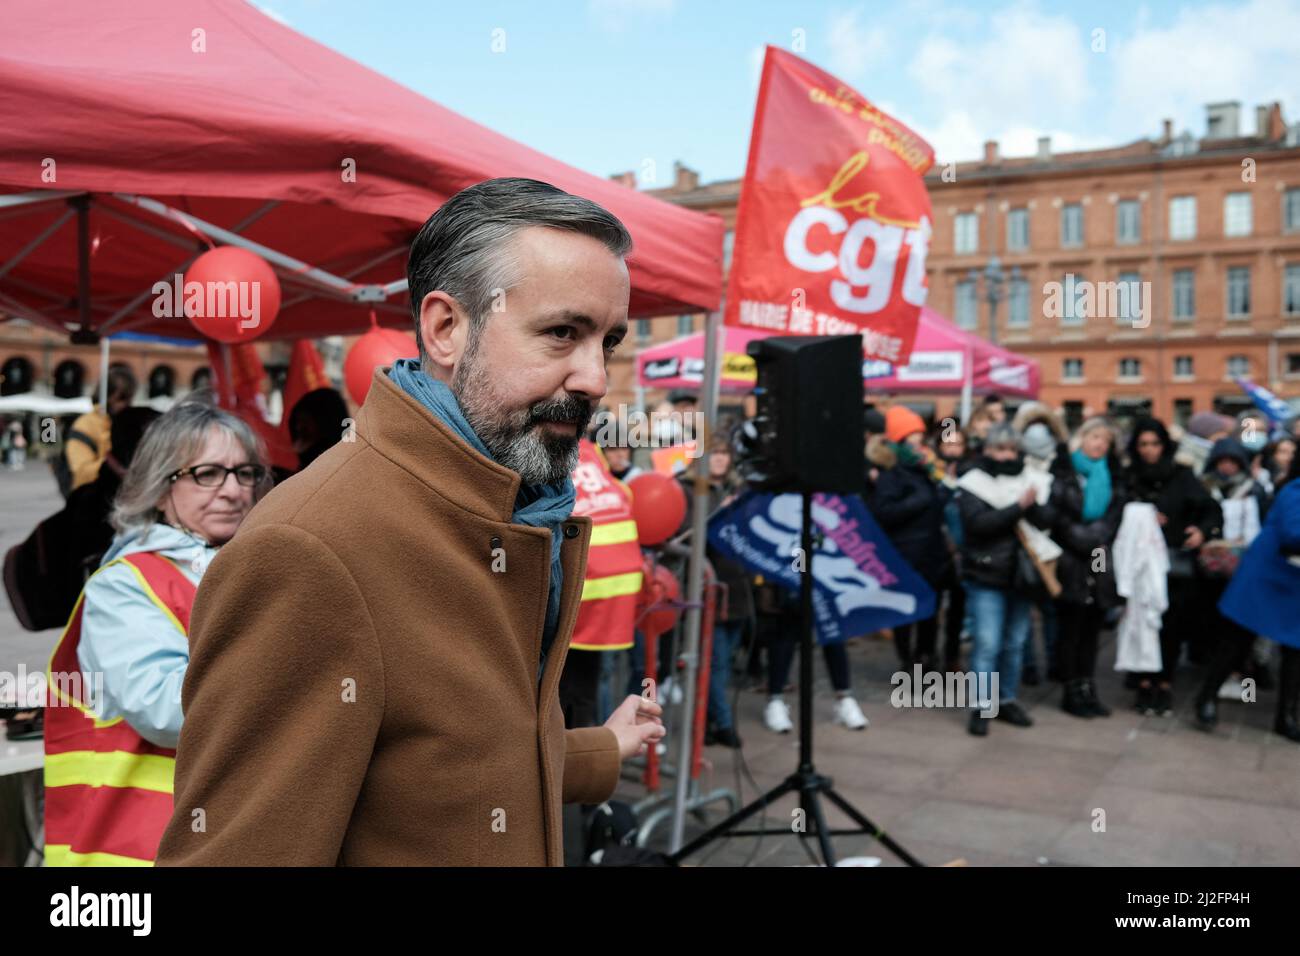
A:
(807, 433)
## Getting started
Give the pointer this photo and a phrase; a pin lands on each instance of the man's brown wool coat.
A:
(362, 688)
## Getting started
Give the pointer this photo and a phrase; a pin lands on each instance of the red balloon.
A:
(660, 588)
(658, 505)
(231, 313)
(377, 347)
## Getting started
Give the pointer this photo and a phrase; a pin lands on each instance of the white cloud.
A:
(756, 57)
(852, 47)
(1248, 52)
(616, 16)
(1028, 71)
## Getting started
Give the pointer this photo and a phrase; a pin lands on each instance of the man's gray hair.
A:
(464, 248)
(1001, 435)
(171, 443)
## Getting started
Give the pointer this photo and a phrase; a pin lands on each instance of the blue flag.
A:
(1278, 411)
(860, 584)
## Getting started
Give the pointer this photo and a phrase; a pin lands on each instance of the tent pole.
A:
(82, 205)
(229, 391)
(103, 374)
(967, 385)
(690, 655)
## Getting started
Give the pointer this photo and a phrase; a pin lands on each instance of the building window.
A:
(1292, 364)
(1182, 411)
(162, 381)
(1237, 217)
(1073, 414)
(1130, 368)
(69, 379)
(643, 330)
(966, 311)
(1071, 225)
(1291, 289)
(1291, 210)
(1128, 298)
(1072, 369)
(1182, 217)
(1128, 222)
(1238, 366)
(1184, 297)
(1018, 304)
(1071, 292)
(1017, 230)
(1183, 367)
(965, 233)
(1238, 291)
(685, 324)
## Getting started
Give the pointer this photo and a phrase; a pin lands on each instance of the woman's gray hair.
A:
(170, 444)
(1002, 434)
(1092, 425)
(464, 249)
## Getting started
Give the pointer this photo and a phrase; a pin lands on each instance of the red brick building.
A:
(1143, 276)
(34, 358)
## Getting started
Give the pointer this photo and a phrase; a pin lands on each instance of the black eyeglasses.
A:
(214, 476)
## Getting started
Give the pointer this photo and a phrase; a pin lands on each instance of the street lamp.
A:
(995, 280)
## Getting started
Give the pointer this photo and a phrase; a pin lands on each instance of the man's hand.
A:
(1028, 498)
(636, 724)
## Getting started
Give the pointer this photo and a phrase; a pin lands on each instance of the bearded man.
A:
(375, 656)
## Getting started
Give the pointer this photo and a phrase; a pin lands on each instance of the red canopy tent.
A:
(137, 132)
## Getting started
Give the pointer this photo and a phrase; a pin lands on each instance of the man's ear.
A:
(444, 330)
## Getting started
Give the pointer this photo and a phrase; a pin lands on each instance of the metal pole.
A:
(103, 375)
(82, 205)
(993, 313)
(695, 577)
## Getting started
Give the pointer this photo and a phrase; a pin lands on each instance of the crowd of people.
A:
(1018, 525)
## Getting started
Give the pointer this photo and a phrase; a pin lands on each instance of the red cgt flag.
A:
(834, 218)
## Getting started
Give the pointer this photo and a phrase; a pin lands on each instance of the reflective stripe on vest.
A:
(607, 614)
(108, 791)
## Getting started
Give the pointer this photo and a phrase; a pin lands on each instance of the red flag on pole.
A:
(306, 374)
(834, 218)
(241, 392)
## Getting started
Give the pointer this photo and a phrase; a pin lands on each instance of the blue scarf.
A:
(537, 506)
(1096, 484)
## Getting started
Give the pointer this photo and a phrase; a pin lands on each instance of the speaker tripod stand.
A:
(805, 781)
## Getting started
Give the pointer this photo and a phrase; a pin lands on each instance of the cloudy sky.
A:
(614, 85)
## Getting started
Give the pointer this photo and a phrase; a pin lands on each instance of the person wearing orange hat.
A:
(901, 423)
(907, 504)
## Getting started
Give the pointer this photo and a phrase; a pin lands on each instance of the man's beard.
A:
(519, 439)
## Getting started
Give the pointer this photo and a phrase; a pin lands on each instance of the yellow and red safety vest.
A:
(607, 615)
(108, 791)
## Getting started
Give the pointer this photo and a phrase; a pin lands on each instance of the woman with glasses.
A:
(116, 673)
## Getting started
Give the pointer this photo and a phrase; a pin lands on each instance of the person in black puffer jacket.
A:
(1087, 502)
(907, 505)
(990, 555)
(1189, 517)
